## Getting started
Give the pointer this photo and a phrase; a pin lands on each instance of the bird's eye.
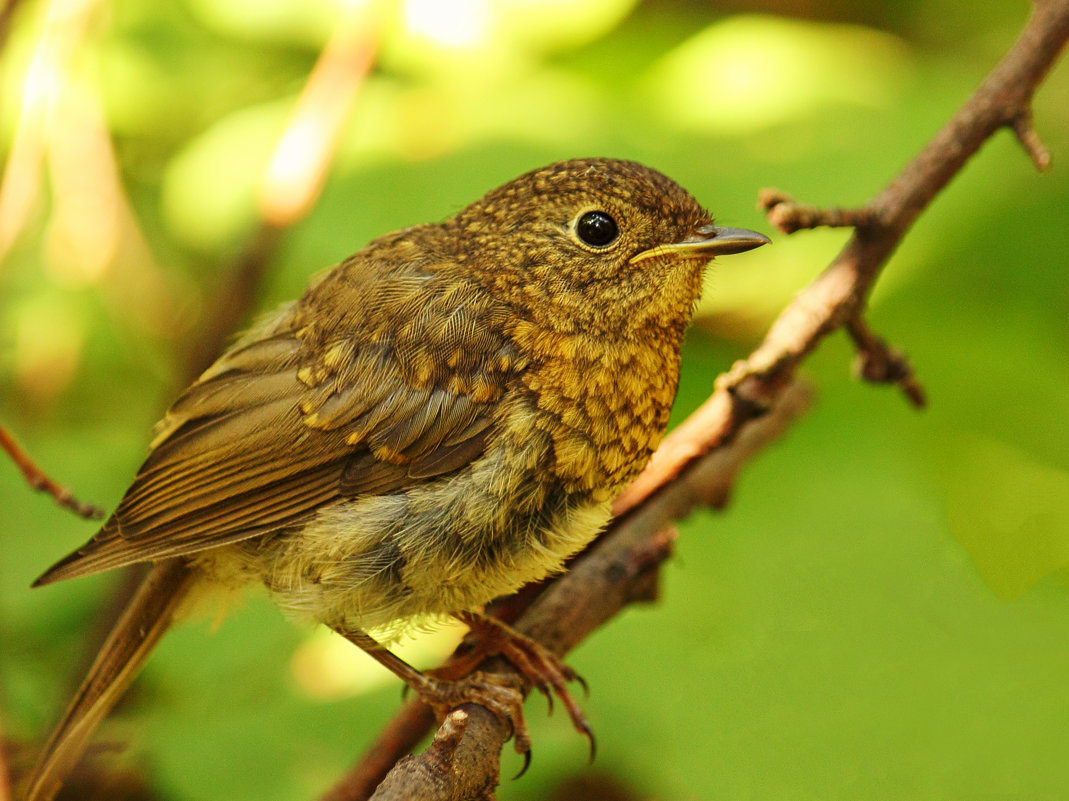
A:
(597, 229)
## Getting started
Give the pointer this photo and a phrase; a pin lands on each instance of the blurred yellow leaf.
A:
(49, 338)
(328, 667)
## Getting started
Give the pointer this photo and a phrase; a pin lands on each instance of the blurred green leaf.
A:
(209, 189)
(749, 72)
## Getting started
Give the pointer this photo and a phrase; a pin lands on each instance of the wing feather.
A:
(326, 402)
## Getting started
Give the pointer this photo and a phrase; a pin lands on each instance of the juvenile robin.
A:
(438, 420)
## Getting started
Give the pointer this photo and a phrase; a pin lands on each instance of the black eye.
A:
(597, 228)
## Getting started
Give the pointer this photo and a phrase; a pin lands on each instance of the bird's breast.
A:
(603, 405)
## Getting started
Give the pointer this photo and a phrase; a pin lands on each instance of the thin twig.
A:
(39, 480)
(754, 401)
(789, 216)
(881, 363)
(1026, 134)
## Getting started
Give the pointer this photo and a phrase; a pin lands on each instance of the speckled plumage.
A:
(439, 419)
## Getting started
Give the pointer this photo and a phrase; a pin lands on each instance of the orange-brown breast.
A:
(604, 404)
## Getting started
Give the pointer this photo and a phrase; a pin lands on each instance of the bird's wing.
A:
(372, 382)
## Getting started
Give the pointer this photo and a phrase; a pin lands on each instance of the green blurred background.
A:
(882, 612)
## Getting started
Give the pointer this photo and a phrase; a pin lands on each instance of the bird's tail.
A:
(143, 622)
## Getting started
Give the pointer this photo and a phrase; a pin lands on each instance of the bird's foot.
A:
(501, 694)
(443, 692)
(540, 667)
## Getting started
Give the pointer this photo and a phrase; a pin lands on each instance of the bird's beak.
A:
(708, 241)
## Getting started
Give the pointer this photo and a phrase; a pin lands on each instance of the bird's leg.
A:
(498, 694)
(542, 668)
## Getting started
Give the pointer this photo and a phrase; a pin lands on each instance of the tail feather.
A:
(135, 634)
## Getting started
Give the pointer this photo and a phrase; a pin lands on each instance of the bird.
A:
(436, 421)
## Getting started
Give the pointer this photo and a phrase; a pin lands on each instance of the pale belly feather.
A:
(383, 562)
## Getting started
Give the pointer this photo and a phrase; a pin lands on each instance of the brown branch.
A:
(838, 295)
(39, 480)
(455, 766)
(750, 405)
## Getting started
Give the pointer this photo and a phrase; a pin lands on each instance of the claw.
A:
(542, 688)
(581, 682)
(589, 732)
(526, 764)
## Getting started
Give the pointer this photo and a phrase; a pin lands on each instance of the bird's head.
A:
(595, 240)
